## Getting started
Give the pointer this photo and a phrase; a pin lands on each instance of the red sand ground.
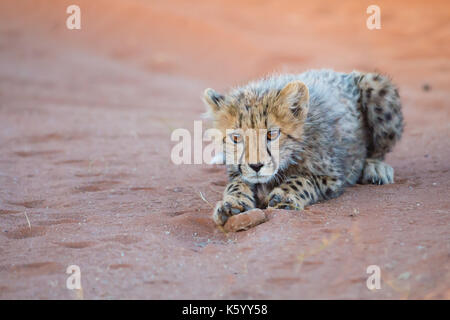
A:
(85, 123)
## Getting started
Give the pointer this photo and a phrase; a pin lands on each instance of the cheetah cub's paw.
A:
(280, 199)
(377, 172)
(230, 206)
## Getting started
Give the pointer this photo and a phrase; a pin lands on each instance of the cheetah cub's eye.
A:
(236, 137)
(273, 134)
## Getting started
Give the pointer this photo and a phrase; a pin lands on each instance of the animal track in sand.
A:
(142, 189)
(73, 161)
(26, 232)
(37, 268)
(4, 211)
(26, 154)
(77, 245)
(88, 174)
(29, 204)
(120, 266)
(123, 239)
(97, 186)
(214, 169)
(219, 183)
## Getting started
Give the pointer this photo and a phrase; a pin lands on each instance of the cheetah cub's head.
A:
(262, 127)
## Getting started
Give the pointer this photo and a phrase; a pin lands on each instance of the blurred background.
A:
(85, 171)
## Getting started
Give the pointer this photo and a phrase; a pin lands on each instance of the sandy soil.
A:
(85, 123)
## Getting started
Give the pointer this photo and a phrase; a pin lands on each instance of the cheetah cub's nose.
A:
(256, 167)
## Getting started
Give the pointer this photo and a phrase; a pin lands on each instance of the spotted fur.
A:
(335, 129)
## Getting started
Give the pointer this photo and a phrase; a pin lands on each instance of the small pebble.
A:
(404, 276)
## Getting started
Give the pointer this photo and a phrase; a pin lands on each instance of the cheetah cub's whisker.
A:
(331, 130)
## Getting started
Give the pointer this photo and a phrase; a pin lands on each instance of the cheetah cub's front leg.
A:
(237, 198)
(297, 192)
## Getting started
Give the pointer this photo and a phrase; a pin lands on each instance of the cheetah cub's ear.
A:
(214, 102)
(295, 96)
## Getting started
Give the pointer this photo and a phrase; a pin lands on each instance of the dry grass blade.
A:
(204, 199)
(28, 220)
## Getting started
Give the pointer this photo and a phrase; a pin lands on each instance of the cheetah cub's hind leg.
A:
(381, 104)
(377, 172)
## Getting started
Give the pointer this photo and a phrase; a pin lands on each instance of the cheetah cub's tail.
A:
(380, 102)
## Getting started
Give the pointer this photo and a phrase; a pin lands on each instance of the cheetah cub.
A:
(331, 130)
